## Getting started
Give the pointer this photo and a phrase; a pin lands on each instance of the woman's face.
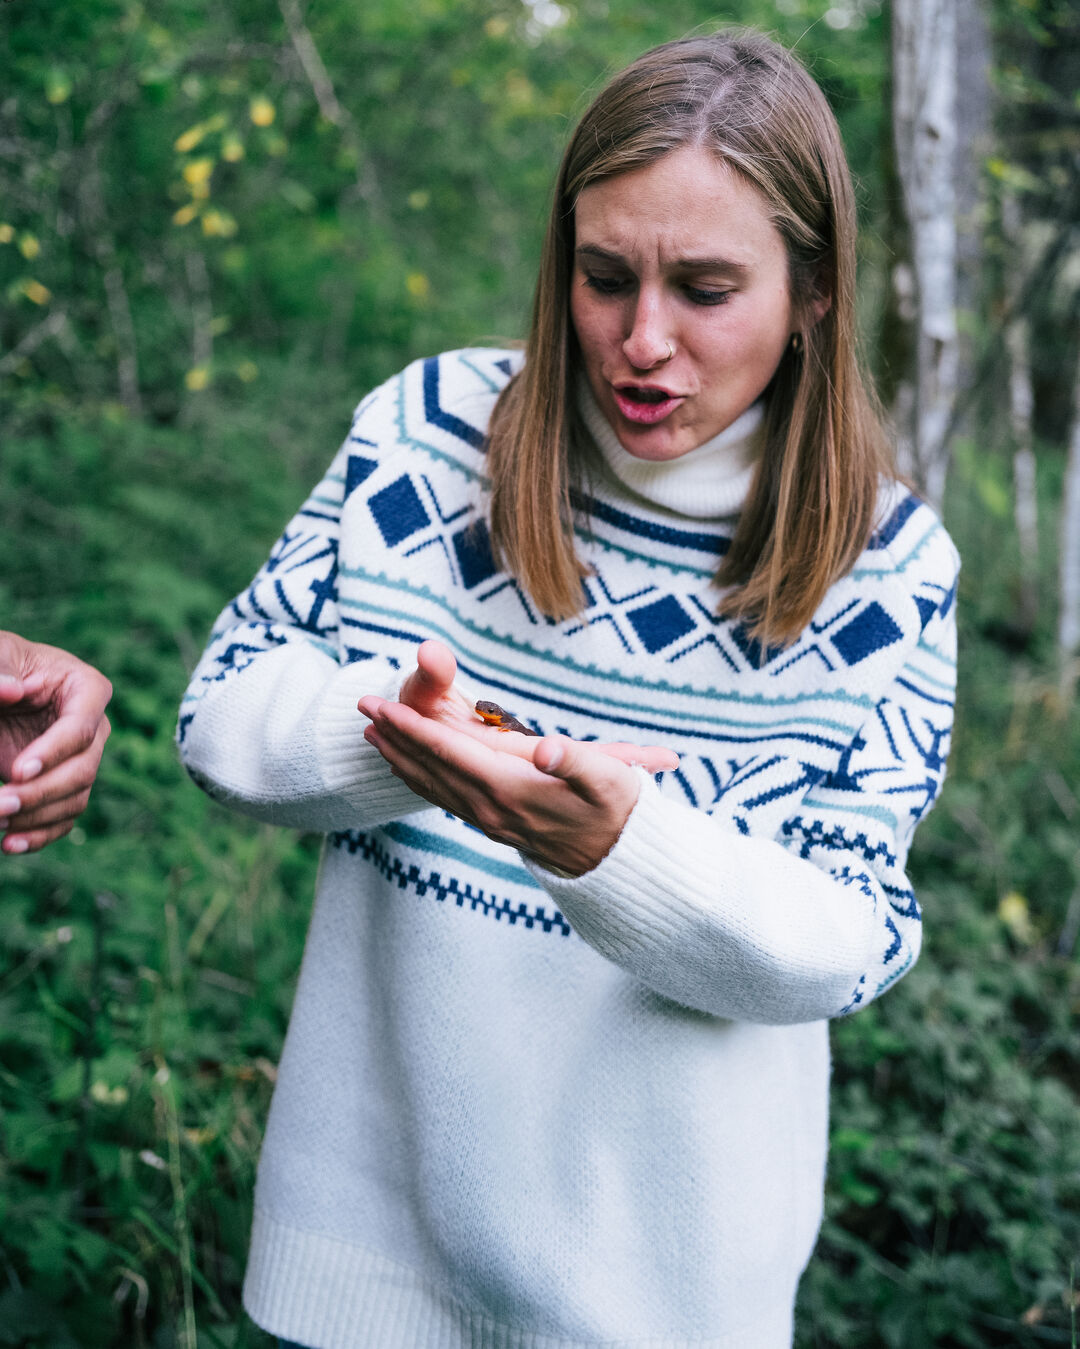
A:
(680, 300)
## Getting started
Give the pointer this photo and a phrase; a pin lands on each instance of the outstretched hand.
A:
(431, 691)
(53, 730)
(561, 802)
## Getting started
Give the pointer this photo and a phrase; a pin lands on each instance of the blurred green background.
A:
(219, 227)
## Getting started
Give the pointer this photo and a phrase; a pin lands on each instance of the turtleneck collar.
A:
(709, 482)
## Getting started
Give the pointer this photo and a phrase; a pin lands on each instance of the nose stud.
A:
(670, 353)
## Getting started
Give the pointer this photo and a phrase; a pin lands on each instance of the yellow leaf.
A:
(418, 286)
(34, 290)
(1013, 912)
(418, 200)
(189, 139)
(247, 371)
(200, 191)
(197, 378)
(7, 233)
(219, 223)
(198, 171)
(186, 214)
(57, 87)
(232, 149)
(262, 111)
(29, 246)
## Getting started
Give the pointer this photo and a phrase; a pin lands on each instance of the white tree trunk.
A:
(1021, 410)
(1069, 623)
(924, 127)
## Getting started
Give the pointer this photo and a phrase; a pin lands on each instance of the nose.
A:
(648, 342)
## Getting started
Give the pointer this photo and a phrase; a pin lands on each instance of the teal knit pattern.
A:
(835, 747)
(518, 1110)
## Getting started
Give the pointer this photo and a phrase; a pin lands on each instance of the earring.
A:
(796, 343)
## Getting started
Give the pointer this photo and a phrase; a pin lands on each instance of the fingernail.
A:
(554, 759)
(10, 805)
(30, 769)
(15, 845)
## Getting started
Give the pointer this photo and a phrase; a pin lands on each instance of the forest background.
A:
(219, 227)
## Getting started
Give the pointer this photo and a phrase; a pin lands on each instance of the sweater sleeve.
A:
(811, 922)
(269, 723)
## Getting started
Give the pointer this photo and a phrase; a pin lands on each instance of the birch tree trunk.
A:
(1021, 412)
(924, 128)
(1069, 622)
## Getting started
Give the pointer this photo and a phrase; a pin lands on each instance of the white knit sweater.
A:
(517, 1111)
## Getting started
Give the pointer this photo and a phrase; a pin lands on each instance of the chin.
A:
(656, 449)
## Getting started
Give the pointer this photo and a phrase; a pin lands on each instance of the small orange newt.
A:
(493, 715)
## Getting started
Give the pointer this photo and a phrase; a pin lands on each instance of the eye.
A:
(605, 285)
(698, 295)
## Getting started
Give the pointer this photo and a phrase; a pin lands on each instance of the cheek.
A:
(591, 324)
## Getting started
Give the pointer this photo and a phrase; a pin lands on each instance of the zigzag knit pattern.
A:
(518, 1110)
(810, 745)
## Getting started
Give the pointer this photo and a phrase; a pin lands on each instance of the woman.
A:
(557, 1072)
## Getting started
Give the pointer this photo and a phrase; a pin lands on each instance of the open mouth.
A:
(645, 405)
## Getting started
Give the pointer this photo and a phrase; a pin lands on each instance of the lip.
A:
(645, 414)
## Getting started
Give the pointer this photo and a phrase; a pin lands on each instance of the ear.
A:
(811, 316)
(818, 308)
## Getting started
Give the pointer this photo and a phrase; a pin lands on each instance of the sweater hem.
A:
(325, 1293)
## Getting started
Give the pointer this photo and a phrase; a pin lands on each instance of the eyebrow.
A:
(737, 269)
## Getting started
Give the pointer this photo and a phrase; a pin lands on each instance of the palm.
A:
(431, 691)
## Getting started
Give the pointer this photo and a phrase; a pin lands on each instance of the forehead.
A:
(686, 204)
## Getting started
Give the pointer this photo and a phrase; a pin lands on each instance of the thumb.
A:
(432, 679)
(591, 773)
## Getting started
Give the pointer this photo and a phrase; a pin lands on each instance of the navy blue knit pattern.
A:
(834, 746)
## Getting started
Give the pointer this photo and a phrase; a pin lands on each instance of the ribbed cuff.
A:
(350, 767)
(631, 899)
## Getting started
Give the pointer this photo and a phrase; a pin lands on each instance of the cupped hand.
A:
(53, 730)
(431, 691)
(564, 806)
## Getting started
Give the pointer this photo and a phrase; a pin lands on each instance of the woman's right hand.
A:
(431, 691)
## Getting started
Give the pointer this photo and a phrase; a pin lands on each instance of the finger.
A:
(448, 752)
(81, 726)
(433, 679)
(51, 812)
(654, 758)
(67, 779)
(436, 665)
(36, 839)
(592, 774)
(12, 689)
(402, 764)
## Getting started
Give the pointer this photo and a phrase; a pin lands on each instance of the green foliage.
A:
(204, 265)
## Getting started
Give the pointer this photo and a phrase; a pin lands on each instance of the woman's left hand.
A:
(564, 809)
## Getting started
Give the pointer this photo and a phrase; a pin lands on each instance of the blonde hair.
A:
(811, 508)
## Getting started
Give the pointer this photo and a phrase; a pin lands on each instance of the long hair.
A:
(811, 508)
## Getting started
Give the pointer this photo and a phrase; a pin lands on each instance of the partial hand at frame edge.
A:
(53, 730)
